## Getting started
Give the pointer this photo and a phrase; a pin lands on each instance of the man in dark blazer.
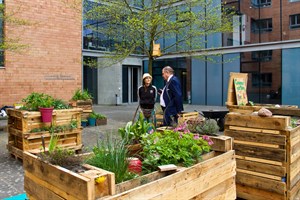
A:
(171, 97)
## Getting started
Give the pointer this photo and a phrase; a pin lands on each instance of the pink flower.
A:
(207, 138)
(196, 137)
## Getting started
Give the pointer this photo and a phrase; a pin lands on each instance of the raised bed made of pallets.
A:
(289, 110)
(21, 123)
(268, 156)
(85, 105)
(213, 178)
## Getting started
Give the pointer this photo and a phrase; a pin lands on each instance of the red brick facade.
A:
(51, 62)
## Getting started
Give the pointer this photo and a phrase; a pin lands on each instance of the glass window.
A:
(262, 25)
(261, 3)
(293, 0)
(262, 55)
(295, 21)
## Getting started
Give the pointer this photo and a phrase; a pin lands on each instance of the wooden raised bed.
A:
(184, 116)
(213, 178)
(20, 124)
(267, 154)
(86, 106)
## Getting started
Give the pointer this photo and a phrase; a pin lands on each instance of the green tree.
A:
(135, 29)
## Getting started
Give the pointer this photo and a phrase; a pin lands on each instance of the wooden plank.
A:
(261, 167)
(256, 137)
(294, 193)
(261, 183)
(275, 178)
(258, 130)
(225, 190)
(260, 152)
(246, 192)
(37, 189)
(275, 122)
(294, 173)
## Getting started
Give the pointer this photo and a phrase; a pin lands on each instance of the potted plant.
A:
(100, 119)
(42, 102)
(92, 119)
(84, 123)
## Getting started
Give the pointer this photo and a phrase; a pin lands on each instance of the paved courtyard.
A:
(11, 170)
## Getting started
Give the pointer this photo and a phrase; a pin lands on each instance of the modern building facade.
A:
(48, 55)
(265, 43)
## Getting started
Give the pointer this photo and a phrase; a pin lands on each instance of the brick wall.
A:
(51, 62)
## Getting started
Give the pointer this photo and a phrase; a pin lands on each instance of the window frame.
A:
(297, 21)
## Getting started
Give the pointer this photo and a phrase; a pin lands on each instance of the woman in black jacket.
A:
(147, 94)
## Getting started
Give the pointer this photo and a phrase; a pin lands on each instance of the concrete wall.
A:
(110, 81)
(52, 61)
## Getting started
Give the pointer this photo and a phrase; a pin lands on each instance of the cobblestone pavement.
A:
(11, 169)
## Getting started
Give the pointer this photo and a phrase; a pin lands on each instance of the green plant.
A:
(132, 132)
(112, 155)
(172, 147)
(60, 104)
(209, 127)
(93, 115)
(100, 116)
(35, 100)
(81, 95)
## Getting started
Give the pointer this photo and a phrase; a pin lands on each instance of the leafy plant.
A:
(93, 115)
(112, 155)
(100, 116)
(81, 95)
(169, 147)
(132, 132)
(60, 104)
(35, 100)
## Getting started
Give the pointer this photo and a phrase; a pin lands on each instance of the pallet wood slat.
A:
(268, 155)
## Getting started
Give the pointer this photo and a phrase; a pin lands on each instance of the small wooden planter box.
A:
(267, 154)
(86, 106)
(100, 122)
(213, 178)
(20, 123)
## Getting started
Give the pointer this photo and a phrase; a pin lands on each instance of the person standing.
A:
(171, 97)
(147, 94)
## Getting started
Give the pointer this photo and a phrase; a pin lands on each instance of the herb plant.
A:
(111, 155)
(169, 147)
(209, 127)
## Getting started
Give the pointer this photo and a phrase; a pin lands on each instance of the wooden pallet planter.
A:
(268, 156)
(213, 178)
(86, 106)
(20, 124)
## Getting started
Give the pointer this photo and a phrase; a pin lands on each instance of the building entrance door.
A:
(130, 83)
